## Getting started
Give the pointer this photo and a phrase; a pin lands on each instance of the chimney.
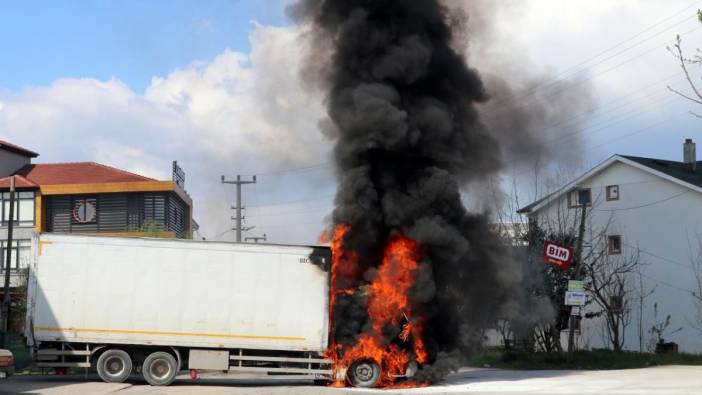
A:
(689, 154)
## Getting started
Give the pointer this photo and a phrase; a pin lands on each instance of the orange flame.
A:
(323, 237)
(388, 302)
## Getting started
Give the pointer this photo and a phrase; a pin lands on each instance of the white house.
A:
(646, 209)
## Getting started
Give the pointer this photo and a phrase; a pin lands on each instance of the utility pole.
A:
(8, 261)
(238, 207)
(584, 200)
(256, 238)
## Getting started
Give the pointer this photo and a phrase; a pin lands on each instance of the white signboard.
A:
(575, 298)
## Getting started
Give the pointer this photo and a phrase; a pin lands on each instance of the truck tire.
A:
(364, 373)
(114, 366)
(159, 368)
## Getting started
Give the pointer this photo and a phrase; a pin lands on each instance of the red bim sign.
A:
(557, 255)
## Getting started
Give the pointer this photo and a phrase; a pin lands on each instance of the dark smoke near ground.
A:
(405, 113)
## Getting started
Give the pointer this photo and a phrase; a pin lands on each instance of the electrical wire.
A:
(667, 284)
(223, 233)
(657, 256)
(553, 94)
(292, 212)
(568, 72)
(644, 205)
(324, 165)
(323, 197)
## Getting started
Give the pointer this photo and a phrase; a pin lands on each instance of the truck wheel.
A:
(365, 373)
(114, 366)
(160, 368)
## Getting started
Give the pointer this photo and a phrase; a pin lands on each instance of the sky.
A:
(130, 40)
(216, 85)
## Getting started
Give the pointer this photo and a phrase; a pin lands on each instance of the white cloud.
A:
(248, 113)
(236, 113)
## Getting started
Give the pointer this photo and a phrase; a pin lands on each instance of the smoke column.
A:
(404, 111)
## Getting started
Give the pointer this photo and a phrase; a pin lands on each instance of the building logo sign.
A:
(558, 255)
(178, 175)
(85, 211)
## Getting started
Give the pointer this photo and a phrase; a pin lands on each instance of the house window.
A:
(614, 245)
(612, 192)
(20, 254)
(24, 209)
(616, 304)
(577, 197)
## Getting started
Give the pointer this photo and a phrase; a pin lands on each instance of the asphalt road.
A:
(656, 380)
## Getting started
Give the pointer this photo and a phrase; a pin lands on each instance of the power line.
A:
(667, 284)
(291, 212)
(574, 119)
(296, 224)
(645, 205)
(258, 208)
(590, 78)
(649, 126)
(323, 197)
(326, 164)
(556, 78)
(684, 9)
(322, 165)
(587, 114)
(657, 256)
(223, 233)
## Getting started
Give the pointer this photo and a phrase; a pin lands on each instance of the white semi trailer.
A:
(158, 307)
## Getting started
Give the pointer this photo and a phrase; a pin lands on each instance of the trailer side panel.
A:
(178, 293)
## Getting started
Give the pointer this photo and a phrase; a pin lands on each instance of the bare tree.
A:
(641, 295)
(696, 60)
(611, 286)
(696, 262)
(659, 330)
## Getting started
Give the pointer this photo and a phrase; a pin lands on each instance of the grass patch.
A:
(593, 360)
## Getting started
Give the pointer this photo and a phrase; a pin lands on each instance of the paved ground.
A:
(657, 380)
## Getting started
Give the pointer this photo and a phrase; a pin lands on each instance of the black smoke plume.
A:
(405, 115)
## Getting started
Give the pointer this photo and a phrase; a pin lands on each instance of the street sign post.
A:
(575, 298)
(558, 255)
(576, 285)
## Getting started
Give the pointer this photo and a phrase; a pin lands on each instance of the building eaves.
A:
(77, 173)
(20, 182)
(4, 145)
(673, 171)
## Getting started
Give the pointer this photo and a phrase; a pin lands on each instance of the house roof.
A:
(673, 171)
(76, 173)
(4, 145)
(20, 182)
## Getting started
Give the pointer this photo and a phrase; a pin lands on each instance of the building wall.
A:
(162, 214)
(21, 235)
(11, 162)
(120, 212)
(664, 220)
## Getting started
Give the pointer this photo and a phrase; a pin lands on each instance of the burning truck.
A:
(413, 278)
(158, 307)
